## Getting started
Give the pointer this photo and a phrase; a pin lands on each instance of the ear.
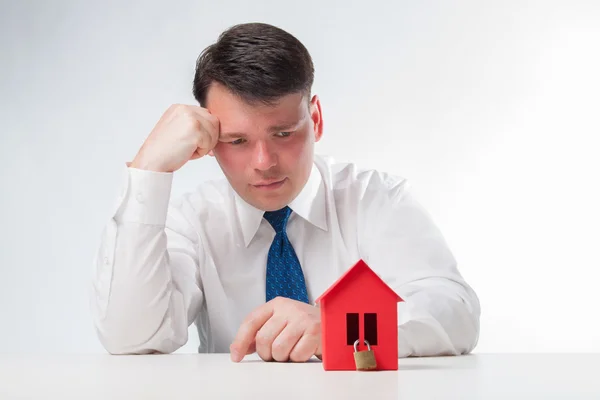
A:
(316, 115)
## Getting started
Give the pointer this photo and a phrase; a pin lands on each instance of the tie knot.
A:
(278, 219)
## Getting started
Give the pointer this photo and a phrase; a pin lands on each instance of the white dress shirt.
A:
(164, 264)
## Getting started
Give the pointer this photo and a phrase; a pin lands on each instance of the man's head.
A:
(256, 79)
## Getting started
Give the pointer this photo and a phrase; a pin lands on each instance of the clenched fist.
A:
(281, 330)
(183, 133)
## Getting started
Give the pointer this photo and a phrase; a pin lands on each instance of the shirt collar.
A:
(310, 204)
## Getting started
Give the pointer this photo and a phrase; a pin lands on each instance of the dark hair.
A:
(256, 61)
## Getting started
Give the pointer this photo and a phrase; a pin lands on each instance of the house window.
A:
(371, 328)
(351, 328)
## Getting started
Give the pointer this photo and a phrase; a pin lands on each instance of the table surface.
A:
(214, 376)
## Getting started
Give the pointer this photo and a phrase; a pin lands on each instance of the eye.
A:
(284, 134)
(237, 141)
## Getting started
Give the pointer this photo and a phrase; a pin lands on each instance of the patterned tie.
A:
(284, 274)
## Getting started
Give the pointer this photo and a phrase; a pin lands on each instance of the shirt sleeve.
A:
(399, 240)
(146, 290)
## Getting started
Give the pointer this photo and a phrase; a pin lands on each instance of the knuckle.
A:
(214, 121)
(305, 319)
(200, 142)
(279, 345)
(314, 328)
(195, 124)
(275, 301)
(184, 112)
(279, 300)
(262, 339)
(180, 109)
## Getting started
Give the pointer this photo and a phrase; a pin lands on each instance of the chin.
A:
(269, 203)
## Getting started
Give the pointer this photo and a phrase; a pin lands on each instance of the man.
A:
(245, 258)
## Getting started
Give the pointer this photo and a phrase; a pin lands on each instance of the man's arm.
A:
(146, 291)
(399, 240)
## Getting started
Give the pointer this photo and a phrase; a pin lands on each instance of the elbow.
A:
(439, 323)
(114, 346)
(117, 348)
(126, 339)
(469, 338)
(131, 330)
(466, 329)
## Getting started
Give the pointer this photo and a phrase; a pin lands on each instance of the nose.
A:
(263, 158)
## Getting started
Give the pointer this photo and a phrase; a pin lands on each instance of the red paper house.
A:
(359, 306)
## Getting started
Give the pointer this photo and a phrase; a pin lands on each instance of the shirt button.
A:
(139, 197)
(106, 261)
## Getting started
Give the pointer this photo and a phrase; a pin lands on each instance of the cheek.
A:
(229, 160)
(223, 156)
(300, 150)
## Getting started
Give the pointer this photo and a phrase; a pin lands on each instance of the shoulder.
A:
(366, 184)
(207, 202)
(210, 192)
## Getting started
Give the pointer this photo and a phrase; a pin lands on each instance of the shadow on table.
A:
(260, 361)
(468, 361)
(411, 363)
(423, 367)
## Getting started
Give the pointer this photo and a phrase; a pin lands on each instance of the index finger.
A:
(248, 329)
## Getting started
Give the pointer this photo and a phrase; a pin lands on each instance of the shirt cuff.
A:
(145, 197)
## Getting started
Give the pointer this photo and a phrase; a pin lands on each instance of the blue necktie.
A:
(284, 273)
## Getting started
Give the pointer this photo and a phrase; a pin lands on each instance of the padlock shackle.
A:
(364, 341)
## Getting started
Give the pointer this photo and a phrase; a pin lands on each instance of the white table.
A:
(213, 376)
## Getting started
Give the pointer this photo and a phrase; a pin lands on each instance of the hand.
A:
(183, 133)
(281, 330)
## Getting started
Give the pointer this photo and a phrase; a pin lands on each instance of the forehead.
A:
(236, 115)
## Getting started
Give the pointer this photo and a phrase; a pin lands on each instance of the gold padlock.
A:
(365, 360)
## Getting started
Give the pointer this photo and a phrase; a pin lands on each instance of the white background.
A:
(491, 109)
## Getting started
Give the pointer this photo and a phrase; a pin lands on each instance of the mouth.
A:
(269, 185)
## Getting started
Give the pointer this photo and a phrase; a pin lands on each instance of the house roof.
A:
(355, 269)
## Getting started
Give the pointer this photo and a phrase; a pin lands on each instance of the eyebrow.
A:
(274, 128)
